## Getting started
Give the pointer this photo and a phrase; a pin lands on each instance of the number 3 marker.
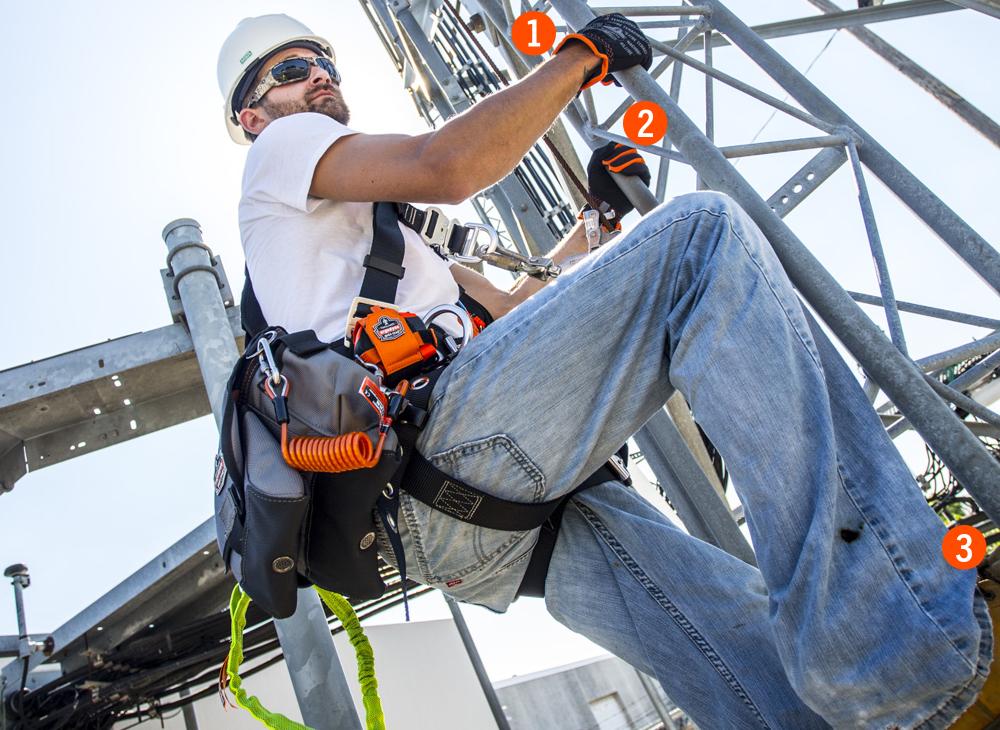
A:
(963, 547)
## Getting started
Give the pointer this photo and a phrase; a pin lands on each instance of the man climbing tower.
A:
(853, 618)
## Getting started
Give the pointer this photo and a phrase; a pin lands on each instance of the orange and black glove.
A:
(615, 157)
(617, 41)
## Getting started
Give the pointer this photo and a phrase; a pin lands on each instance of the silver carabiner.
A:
(266, 359)
(269, 335)
(472, 252)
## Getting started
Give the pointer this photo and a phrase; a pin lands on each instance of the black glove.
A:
(615, 157)
(617, 41)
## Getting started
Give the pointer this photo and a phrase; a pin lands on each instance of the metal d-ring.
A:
(463, 317)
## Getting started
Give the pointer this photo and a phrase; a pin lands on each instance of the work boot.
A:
(985, 711)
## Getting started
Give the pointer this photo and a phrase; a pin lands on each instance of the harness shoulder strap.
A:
(251, 317)
(384, 262)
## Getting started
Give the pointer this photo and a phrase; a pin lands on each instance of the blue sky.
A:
(113, 127)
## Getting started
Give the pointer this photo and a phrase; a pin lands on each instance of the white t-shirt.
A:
(306, 254)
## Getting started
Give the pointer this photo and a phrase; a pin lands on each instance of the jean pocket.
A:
(447, 549)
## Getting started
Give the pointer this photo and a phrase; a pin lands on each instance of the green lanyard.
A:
(238, 603)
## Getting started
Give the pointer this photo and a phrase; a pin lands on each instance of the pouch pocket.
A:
(341, 551)
(271, 544)
(276, 508)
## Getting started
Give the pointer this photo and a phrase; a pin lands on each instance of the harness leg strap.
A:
(533, 582)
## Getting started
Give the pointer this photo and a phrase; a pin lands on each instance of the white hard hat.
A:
(244, 52)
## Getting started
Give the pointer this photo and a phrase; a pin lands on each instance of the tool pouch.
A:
(278, 528)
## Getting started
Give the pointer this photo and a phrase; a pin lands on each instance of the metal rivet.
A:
(367, 540)
(283, 564)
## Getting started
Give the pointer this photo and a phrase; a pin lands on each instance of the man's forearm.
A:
(483, 144)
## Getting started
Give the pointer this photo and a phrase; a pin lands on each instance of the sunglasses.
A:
(289, 71)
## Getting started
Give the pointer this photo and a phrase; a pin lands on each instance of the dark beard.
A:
(332, 106)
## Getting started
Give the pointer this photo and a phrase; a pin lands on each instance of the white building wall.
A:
(426, 682)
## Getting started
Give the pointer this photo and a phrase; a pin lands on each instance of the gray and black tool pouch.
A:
(279, 528)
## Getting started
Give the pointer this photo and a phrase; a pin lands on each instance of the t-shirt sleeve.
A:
(281, 162)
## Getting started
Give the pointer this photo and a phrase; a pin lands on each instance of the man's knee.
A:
(708, 201)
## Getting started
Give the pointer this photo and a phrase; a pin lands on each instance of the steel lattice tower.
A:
(449, 55)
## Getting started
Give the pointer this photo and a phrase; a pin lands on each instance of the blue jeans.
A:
(853, 619)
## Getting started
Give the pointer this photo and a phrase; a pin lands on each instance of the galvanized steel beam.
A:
(969, 245)
(88, 399)
(321, 688)
(989, 7)
(806, 180)
(920, 76)
(704, 513)
(159, 587)
(937, 312)
(836, 19)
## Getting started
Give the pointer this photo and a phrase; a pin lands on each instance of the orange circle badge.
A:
(645, 123)
(963, 547)
(533, 33)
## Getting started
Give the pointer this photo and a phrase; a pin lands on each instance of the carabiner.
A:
(266, 359)
(472, 252)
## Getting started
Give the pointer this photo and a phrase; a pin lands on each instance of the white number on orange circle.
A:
(965, 554)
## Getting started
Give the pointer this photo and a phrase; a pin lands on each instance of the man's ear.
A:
(253, 120)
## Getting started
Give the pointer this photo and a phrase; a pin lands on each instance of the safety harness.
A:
(306, 518)
(422, 480)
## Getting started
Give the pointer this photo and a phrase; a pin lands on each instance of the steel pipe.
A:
(972, 319)
(920, 76)
(878, 253)
(647, 11)
(783, 145)
(317, 675)
(315, 671)
(989, 7)
(190, 267)
(989, 343)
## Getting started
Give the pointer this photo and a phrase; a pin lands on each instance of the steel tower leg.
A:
(318, 679)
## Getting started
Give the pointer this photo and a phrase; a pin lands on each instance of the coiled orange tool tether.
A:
(334, 454)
